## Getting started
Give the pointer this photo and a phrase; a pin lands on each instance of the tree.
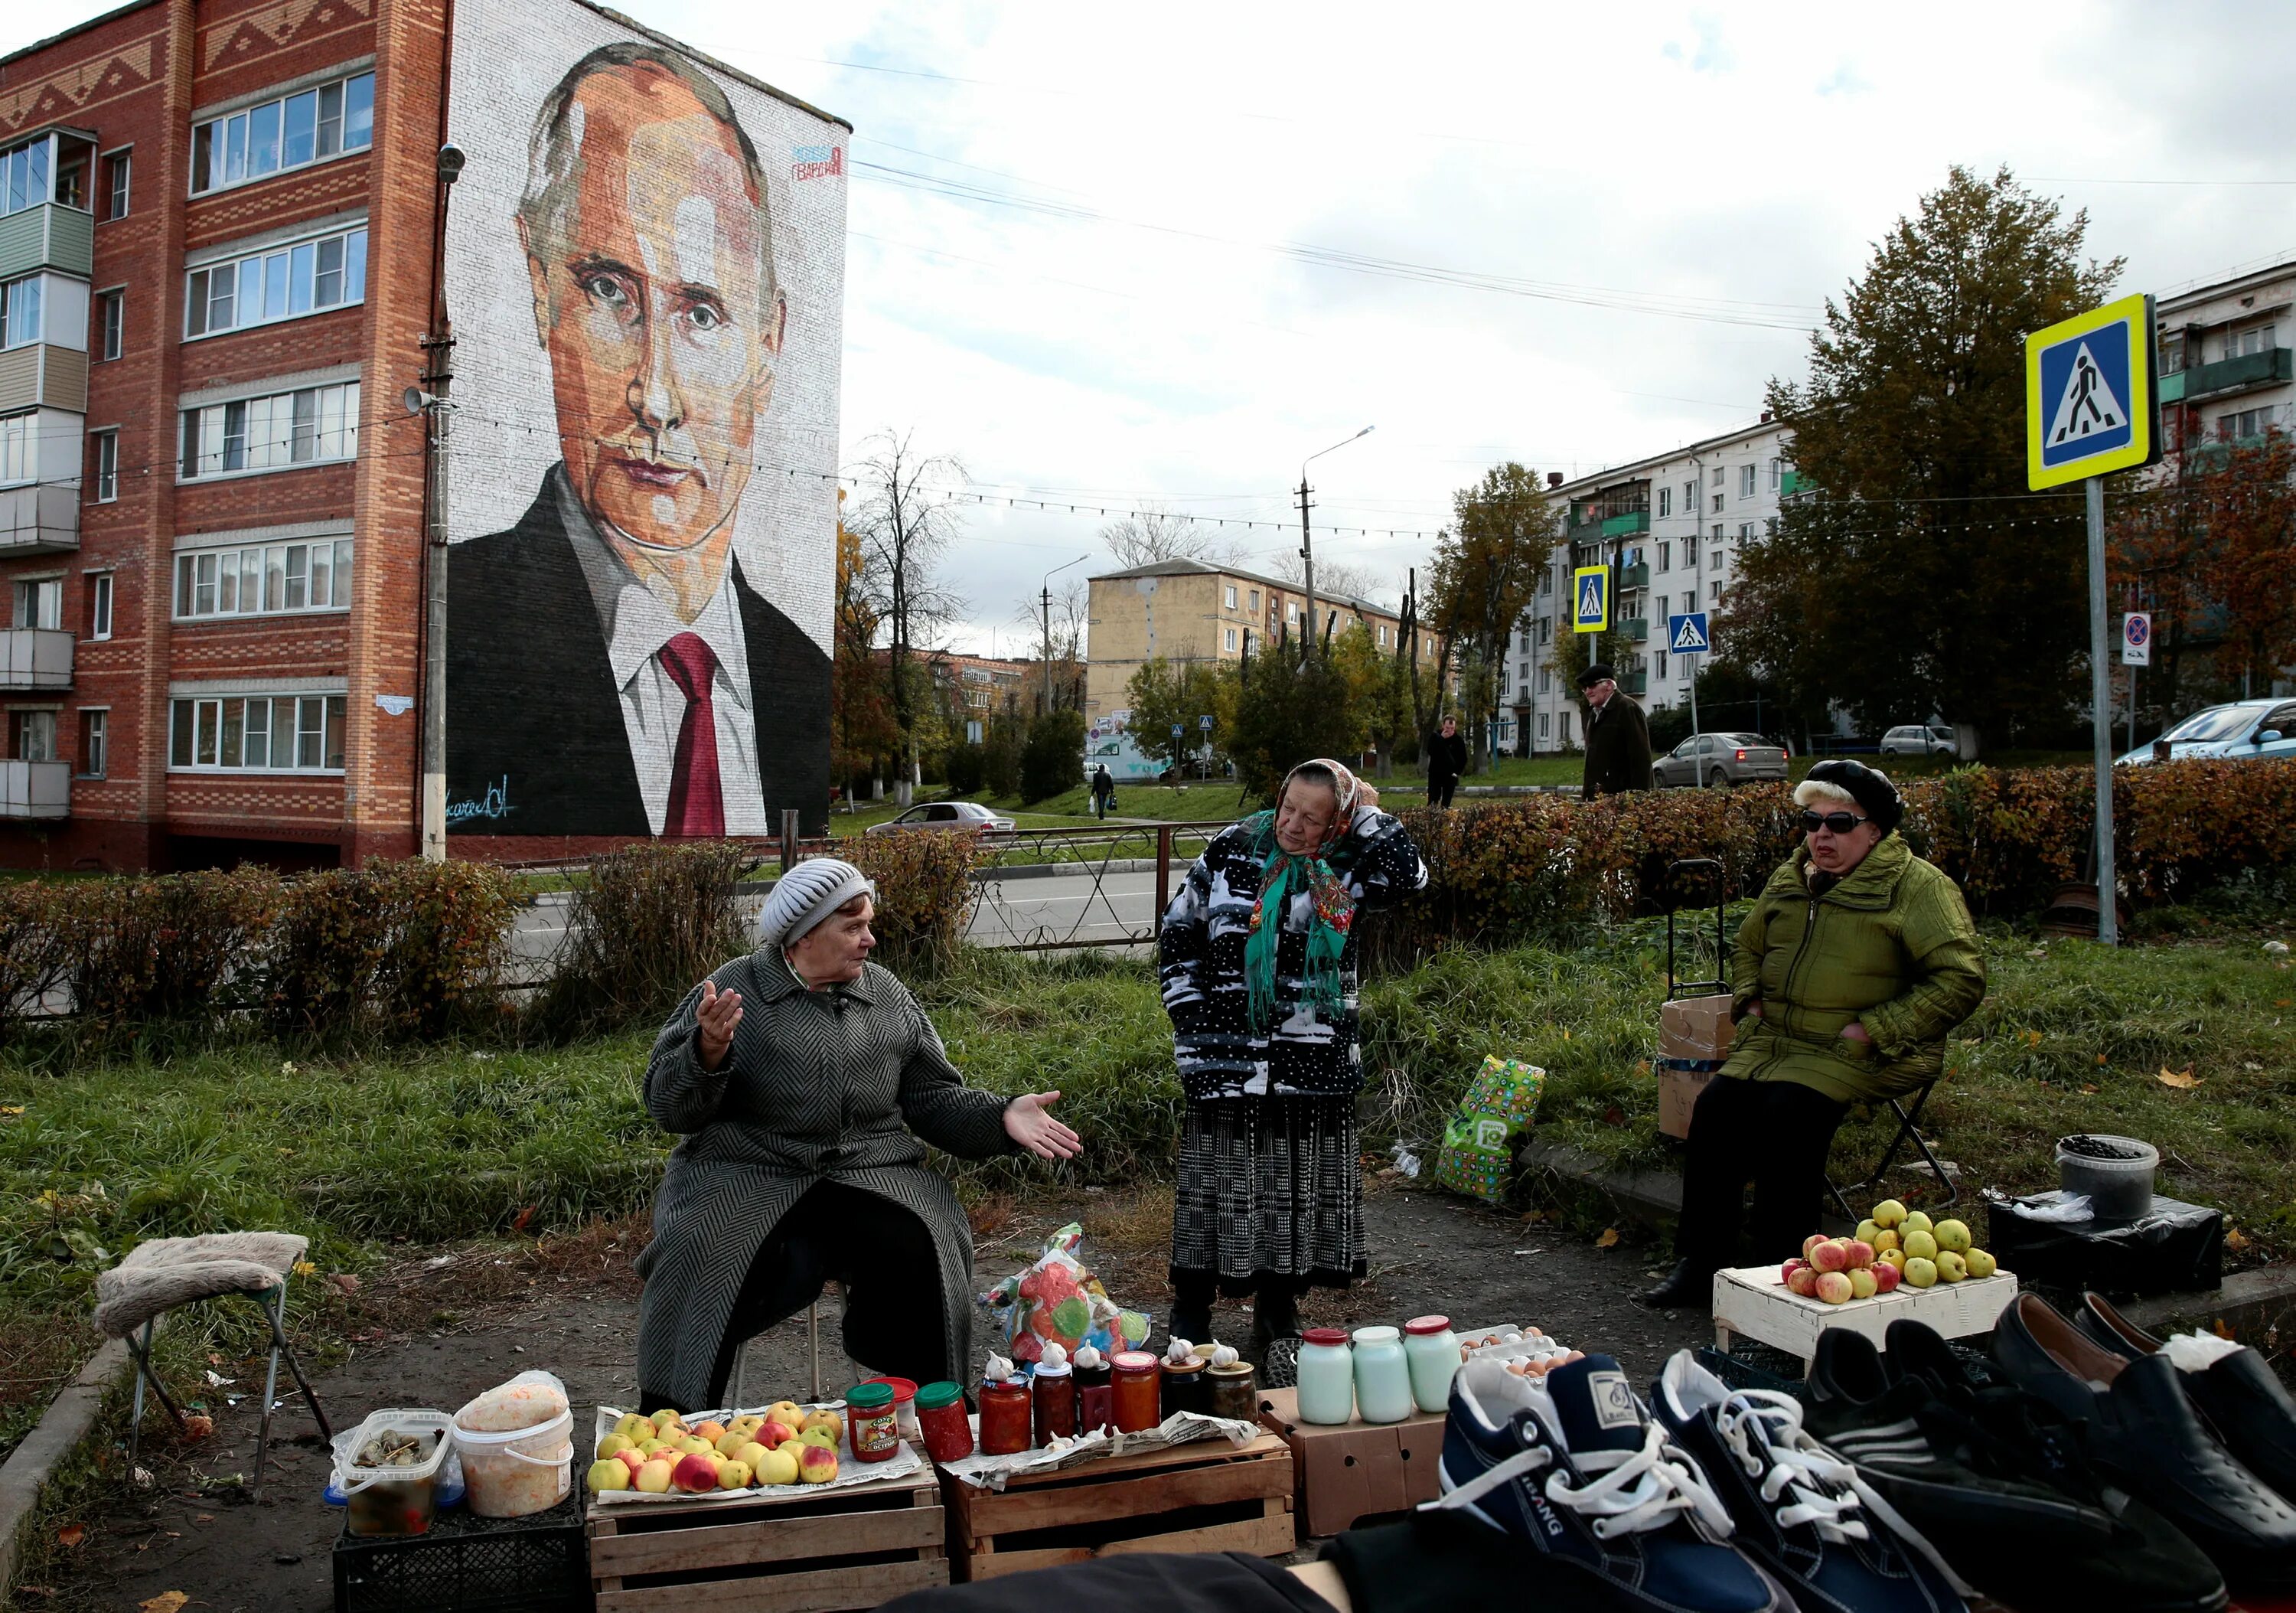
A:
(1486, 572)
(1058, 682)
(1288, 712)
(860, 715)
(1898, 584)
(1053, 760)
(1153, 533)
(906, 522)
(2249, 570)
(1379, 691)
(1166, 695)
(1335, 580)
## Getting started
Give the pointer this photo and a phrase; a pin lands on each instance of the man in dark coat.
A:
(1446, 759)
(1618, 738)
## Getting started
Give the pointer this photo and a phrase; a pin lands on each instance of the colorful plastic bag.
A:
(1060, 1298)
(1479, 1142)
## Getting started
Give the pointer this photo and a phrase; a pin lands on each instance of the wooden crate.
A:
(794, 1553)
(1355, 1469)
(1207, 1496)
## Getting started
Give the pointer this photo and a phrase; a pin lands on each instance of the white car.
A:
(1919, 739)
(2246, 730)
(966, 816)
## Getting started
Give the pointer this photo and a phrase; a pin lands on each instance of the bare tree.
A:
(906, 521)
(1335, 578)
(1063, 673)
(1153, 533)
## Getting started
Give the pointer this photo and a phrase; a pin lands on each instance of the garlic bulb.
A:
(1181, 1351)
(1087, 1357)
(1056, 1352)
(997, 1370)
(1225, 1355)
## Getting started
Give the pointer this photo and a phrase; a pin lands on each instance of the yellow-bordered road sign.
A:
(1590, 597)
(2092, 404)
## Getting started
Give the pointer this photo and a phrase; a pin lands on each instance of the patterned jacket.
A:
(1200, 955)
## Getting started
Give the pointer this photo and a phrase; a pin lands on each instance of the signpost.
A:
(1590, 599)
(1686, 635)
(2091, 407)
(2136, 651)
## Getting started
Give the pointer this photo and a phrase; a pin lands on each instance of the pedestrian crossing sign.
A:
(1685, 634)
(2091, 402)
(1590, 593)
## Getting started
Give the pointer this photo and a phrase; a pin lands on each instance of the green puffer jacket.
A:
(1891, 945)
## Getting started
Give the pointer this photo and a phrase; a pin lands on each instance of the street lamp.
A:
(1306, 542)
(1046, 596)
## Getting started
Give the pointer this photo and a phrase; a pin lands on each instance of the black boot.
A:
(1191, 1308)
(1689, 1285)
(1275, 1315)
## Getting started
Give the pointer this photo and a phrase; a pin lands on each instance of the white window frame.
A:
(258, 428)
(250, 117)
(106, 480)
(118, 174)
(26, 598)
(251, 275)
(1665, 502)
(99, 605)
(22, 725)
(95, 741)
(1746, 480)
(205, 579)
(205, 741)
(1230, 596)
(109, 339)
(1230, 641)
(19, 447)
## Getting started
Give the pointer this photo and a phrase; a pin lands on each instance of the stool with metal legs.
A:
(1907, 1130)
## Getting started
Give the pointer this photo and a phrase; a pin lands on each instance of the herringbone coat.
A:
(836, 1085)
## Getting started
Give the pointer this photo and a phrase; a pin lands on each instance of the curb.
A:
(68, 1420)
(2252, 1307)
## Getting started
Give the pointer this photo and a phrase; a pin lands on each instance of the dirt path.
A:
(500, 1312)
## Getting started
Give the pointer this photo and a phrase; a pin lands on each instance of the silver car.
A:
(2245, 731)
(965, 816)
(1919, 739)
(1718, 761)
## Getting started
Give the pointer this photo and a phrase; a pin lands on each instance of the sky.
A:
(1105, 262)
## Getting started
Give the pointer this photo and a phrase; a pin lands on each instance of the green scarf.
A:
(1282, 875)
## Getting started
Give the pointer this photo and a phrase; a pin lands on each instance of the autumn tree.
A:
(1166, 695)
(1287, 711)
(906, 521)
(1900, 584)
(1378, 690)
(1486, 566)
(861, 724)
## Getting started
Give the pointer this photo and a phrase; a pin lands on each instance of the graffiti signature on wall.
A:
(816, 161)
(494, 804)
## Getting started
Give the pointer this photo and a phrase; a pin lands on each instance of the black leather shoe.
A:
(2142, 1433)
(2241, 1398)
(1687, 1287)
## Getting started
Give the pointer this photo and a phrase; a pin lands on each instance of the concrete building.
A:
(1186, 610)
(1671, 527)
(2227, 367)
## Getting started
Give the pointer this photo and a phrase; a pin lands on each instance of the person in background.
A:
(1104, 790)
(1856, 961)
(1618, 738)
(1446, 759)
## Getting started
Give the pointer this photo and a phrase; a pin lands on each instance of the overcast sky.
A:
(1131, 300)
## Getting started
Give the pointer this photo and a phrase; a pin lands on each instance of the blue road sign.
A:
(1686, 635)
(1205, 722)
(2090, 403)
(1590, 588)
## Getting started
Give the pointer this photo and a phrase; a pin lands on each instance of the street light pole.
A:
(1045, 701)
(1307, 545)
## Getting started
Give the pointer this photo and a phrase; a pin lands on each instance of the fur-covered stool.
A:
(167, 1273)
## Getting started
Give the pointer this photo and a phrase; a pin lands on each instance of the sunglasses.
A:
(1841, 823)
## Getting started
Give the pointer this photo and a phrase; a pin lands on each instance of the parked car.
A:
(966, 816)
(2245, 731)
(1718, 761)
(1919, 739)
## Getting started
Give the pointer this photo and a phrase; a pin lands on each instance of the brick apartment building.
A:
(219, 252)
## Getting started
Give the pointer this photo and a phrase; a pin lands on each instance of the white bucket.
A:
(518, 1471)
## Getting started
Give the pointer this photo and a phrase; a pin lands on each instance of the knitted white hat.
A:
(806, 894)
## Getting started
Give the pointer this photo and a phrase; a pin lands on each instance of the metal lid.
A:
(1419, 1327)
(1328, 1338)
(1132, 1360)
(1234, 1368)
(932, 1396)
(869, 1396)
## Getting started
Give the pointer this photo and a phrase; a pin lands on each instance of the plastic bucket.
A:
(400, 1499)
(2115, 1172)
(518, 1471)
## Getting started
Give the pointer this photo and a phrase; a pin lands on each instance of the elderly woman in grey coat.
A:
(801, 1078)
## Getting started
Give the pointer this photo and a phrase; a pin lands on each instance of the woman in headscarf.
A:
(1257, 958)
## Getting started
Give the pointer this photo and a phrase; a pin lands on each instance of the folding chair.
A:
(164, 1275)
(1907, 1119)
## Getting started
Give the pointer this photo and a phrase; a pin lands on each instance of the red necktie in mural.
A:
(697, 803)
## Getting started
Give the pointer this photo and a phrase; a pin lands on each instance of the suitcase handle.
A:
(1675, 987)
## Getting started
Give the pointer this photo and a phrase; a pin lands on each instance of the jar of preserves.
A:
(1004, 1414)
(1053, 1388)
(941, 1420)
(1234, 1391)
(1096, 1402)
(1327, 1377)
(875, 1433)
(1136, 1386)
(1184, 1386)
(1383, 1376)
(1433, 1354)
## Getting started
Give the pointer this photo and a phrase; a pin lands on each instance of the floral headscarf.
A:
(1283, 874)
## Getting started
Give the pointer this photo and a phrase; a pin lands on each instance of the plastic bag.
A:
(1059, 1298)
(1479, 1142)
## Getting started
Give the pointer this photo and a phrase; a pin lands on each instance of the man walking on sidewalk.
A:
(1618, 738)
(1446, 759)
(1104, 790)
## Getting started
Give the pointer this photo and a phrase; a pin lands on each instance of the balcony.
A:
(1635, 683)
(1634, 576)
(43, 519)
(2266, 368)
(1634, 630)
(35, 658)
(49, 237)
(35, 789)
(41, 374)
(1629, 524)
(1789, 484)
(2172, 389)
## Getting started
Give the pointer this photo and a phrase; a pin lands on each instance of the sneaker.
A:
(1687, 1287)
(1985, 1499)
(1572, 1466)
(1797, 1505)
(2227, 1383)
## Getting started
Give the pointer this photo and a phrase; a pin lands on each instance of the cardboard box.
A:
(1696, 1028)
(1355, 1469)
(1679, 1082)
(1753, 1302)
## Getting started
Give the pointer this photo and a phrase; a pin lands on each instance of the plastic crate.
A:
(467, 1564)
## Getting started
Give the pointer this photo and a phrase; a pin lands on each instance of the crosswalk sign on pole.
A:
(1590, 595)
(1686, 635)
(2092, 404)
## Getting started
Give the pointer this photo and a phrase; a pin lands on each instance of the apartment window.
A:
(1689, 601)
(39, 603)
(1657, 662)
(1714, 560)
(1229, 642)
(20, 310)
(1291, 610)
(286, 283)
(293, 132)
(274, 733)
(99, 605)
(1545, 721)
(116, 168)
(1690, 498)
(1546, 680)
(1546, 629)
(2256, 339)
(52, 167)
(1716, 533)
(1665, 557)
(1563, 726)
(271, 580)
(111, 322)
(1714, 593)
(1714, 477)
(1718, 499)
(1745, 531)
(2247, 423)
(1778, 475)
(308, 426)
(95, 743)
(107, 464)
(1230, 599)
(34, 738)
(1745, 481)
(1665, 502)
(19, 442)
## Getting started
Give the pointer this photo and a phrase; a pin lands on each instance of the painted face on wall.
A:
(652, 309)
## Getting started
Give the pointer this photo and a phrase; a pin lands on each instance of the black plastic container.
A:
(466, 1564)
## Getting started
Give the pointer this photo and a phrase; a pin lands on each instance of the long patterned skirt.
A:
(1268, 1187)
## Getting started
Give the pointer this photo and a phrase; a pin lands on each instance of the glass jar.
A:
(1052, 1387)
(874, 1434)
(1383, 1376)
(1095, 1400)
(946, 1432)
(1136, 1381)
(1327, 1377)
(1184, 1387)
(1433, 1354)
(1234, 1392)
(1004, 1409)
(905, 1407)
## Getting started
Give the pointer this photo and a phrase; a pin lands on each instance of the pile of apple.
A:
(1894, 1245)
(784, 1445)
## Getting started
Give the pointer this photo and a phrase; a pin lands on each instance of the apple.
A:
(773, 1433)
(1917, 1222)
(614, 1444)
(777, 1468)
(732, 1474)
(634, 1427)
(1861, 1254)
(830, 1420)
(1885, 1275)
(753, 1452)
(1830, 1257)
(1787, 1271)
(1951, 1266)
(1885, 1239)
(1982, 1262)
(1889, 1213)
(730, 1442)
(795, 1447)
(1863, 1283)
(653, 1477)
(1833, 1287)
(748, 1425)
(1804, 1282)
(1922, 1246)
(820, 1435)
(693, 1444)
(653, 1448)
(818, 1465)
(1868, 1230)
(1921, 1272)
(1953, 1235)
(1892, 1258)
(785, 1412)
(1811, 1242)
(710, 1430)
(674, 1416)
(610, 1473)
(635, 1463)
(695, 1474)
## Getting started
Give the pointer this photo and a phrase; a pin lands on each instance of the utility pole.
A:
(1308, 549)
(1044, 700)
(437, 377)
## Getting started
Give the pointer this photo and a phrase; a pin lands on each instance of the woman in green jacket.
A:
(1857, 960)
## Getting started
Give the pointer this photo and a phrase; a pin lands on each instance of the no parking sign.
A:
(2136, 638)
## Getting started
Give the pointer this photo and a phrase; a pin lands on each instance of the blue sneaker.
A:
(1572, 1466)
(1798, 1506)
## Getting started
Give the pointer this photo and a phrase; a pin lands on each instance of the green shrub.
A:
(1000, 757)
(644, 925)
(968, 768)
(1053, 760)
(925, 894)
(174, 948)
(396, 949)
(34, 952)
